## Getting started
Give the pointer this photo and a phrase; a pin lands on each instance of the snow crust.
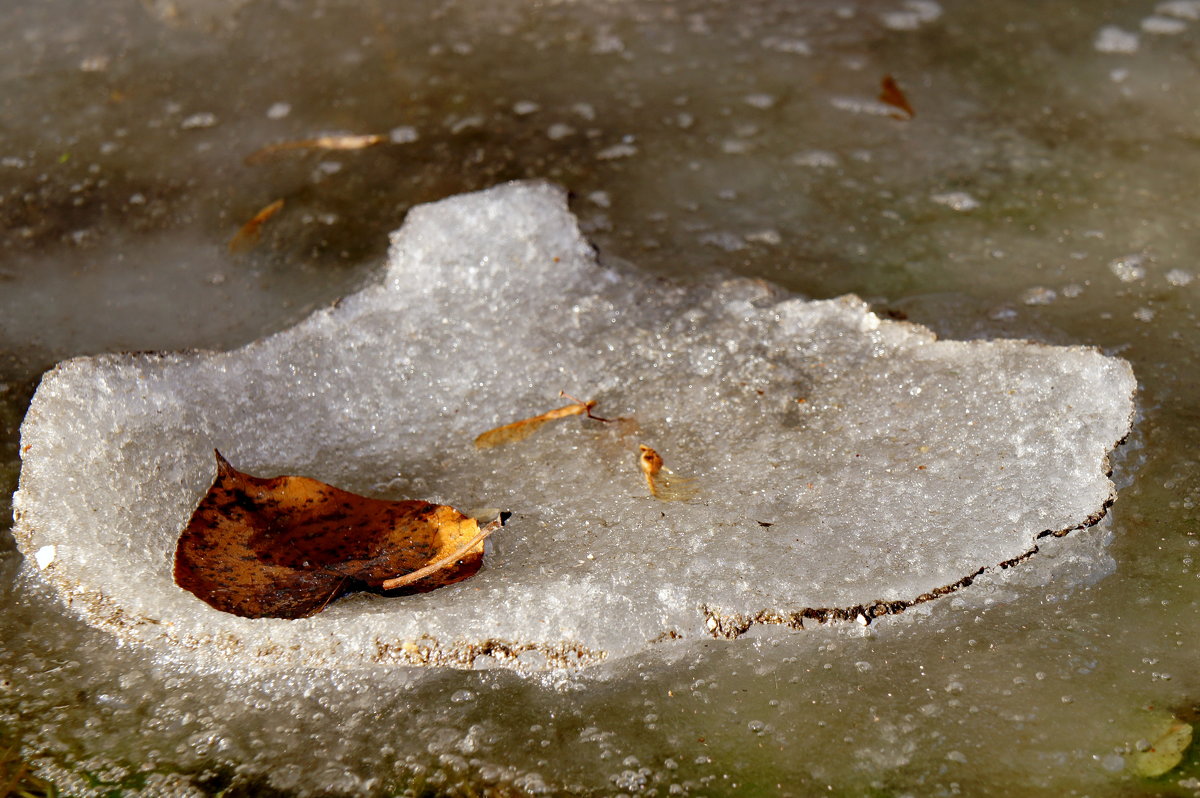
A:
(844, 466)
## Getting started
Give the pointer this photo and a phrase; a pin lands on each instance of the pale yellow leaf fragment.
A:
(1165, 752)
(662, 482)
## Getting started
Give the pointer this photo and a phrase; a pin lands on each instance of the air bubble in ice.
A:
(768, 236)
(760, 100)
(1184, 9)
(819, 159)
(1111, 39)
(95, 63)
(1163, 26)
(199, 121)
(460, 124)
(782, 44)
(1179, 277)
(1129, 268)
(913, 15)
(622, 150)
(862, 105)
(1039, 295)
(956, 200)
(404, 134)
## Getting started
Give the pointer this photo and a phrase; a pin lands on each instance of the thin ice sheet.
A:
(840, 466)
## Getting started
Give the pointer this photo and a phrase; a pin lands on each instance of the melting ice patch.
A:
(843, 466)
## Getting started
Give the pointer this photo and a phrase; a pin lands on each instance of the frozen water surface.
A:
(843, 466)
(1044, 679)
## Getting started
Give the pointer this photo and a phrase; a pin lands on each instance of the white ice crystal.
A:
(844, 466)
(1112, 39)
(956, 200)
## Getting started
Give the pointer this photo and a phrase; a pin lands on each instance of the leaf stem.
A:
(449, 559)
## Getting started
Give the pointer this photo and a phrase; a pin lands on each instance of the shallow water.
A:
(695, 137)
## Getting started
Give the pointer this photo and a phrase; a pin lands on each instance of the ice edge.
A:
(732, 625)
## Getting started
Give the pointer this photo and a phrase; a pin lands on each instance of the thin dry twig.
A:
(21, 783)
(520, 430)
(318, 143)
(251, 231)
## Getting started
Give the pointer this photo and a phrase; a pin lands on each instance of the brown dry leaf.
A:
(890, 94)
(285, 547)
(251, 231)
(520, 430)
(662, 483)
(319, 143)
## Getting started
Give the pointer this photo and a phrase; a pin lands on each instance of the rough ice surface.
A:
(844, 466)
